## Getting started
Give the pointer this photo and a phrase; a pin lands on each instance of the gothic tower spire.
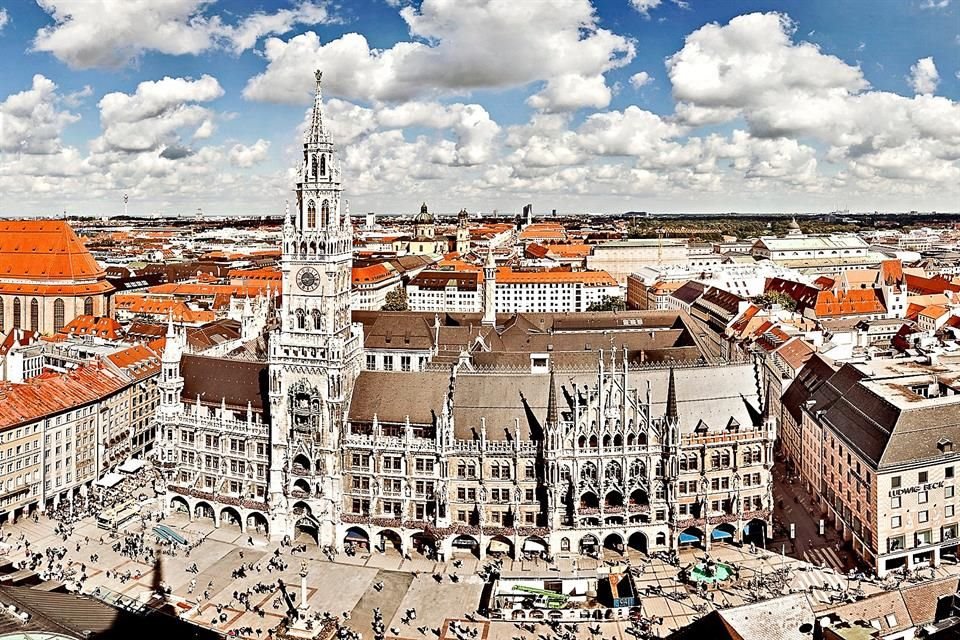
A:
(672, 414)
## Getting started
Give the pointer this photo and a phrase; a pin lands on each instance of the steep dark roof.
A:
(392, 396)
(213, 379)
(813, 374)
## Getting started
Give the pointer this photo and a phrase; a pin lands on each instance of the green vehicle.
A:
(544, 599)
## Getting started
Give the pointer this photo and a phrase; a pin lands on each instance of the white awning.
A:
(110, 480)
(132, 465)
(499, 546)
(533, 545)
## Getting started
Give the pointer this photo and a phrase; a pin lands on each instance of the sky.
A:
(579, 106)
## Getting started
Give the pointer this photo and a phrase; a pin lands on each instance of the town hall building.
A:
(460, 432)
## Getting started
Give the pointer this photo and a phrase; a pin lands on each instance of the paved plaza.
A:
(352, 586)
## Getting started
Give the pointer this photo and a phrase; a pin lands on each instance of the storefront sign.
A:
(916, 489)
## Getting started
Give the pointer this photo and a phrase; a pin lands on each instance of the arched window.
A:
(301, 319)
(564, 544)
(58, 314)
(313, 167)
(316, 320)
(323, 165)
(661, 539)
(35, 315)
(88, 306)
(16, 313)
(311, 214)
(325, 213)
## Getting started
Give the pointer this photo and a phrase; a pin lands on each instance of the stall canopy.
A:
(355, 536)
(110, 480)
(533, 545)
(499, 546)
(688, 538)
(720, 534)
(132, 465)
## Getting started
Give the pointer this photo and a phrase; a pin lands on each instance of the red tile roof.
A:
(372, 274)
(848, 303)
(139, 361)
(45, 250)
(50, 394)
(99, 326)
(17, 337)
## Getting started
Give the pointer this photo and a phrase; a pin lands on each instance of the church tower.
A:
(315, 353)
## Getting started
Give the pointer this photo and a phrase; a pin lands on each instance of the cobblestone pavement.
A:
(346, 585)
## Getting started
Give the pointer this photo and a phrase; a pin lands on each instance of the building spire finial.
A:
(672, 413)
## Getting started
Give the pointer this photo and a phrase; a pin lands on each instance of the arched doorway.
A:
(425, 544)
(500, 546)
(638, 497)
(613, 499)
(179, 505)
(535, 546)
(464, 544)
(230, 517)
(356, 537)
(755, 532)
(589, 544)
(690, 537)
(589, 500)
(614, 542)
(257, 523)
(390, 541)
(725, 532)
(306, 532)
(203, 510)
(638, 542)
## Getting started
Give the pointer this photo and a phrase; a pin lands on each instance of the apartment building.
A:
(446, 291)
(60, 434)
(878, 450)
(551, 291)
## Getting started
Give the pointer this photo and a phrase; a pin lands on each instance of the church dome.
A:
(424, 216)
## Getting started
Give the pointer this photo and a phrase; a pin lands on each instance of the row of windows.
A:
(58, 313)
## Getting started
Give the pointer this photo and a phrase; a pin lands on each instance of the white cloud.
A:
(470, 125)
(751, 63)
(570, 92)
(83, 38)
(154, 114)
(457, 47)
(4, 18)
(645, 6)
(935, 4)
(244, 157)
(30, 121)
(924, 76)
(640, 79)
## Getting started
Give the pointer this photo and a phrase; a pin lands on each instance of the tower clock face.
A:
(308, 279)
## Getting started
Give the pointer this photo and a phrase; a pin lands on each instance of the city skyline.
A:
(611, 106)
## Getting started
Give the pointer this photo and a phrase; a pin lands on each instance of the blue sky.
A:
(661, 105)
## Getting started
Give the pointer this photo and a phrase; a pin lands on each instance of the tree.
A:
(771, 298)
(609, 303)
(395, 300)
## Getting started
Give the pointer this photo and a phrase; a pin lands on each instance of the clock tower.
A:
(315, 353)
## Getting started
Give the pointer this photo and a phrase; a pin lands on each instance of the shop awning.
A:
(132, 465)
(499, 546)
(355, 536)
(110, 480)
(534, 545)
(720, 534)
(688, 538)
